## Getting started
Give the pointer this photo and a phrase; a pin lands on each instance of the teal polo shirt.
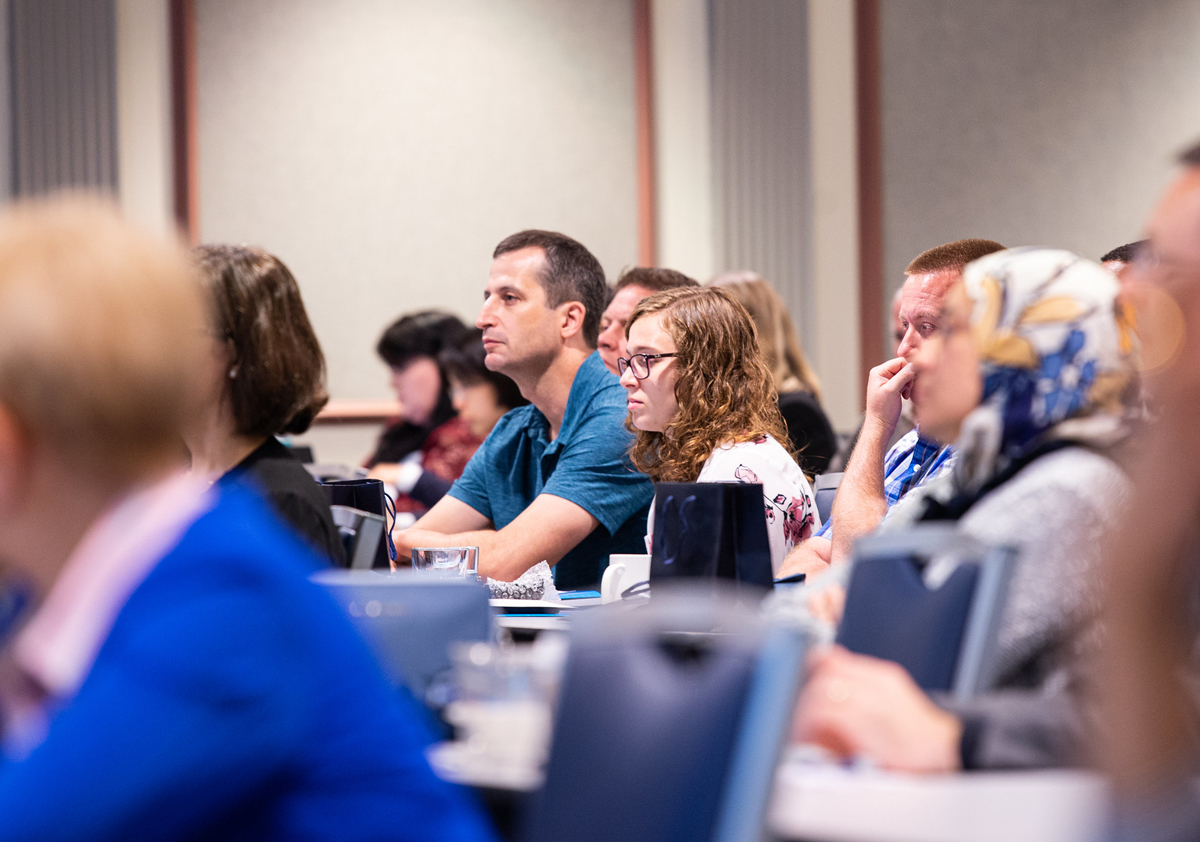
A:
(587, 464)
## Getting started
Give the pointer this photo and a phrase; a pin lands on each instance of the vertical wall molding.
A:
(62, 75)
(870, 186)
(144, 113)
(682, 95)
(643, 56)
(761, 151)
(835, 249)
(183, 116)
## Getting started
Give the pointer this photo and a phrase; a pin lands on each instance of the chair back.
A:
(361, 534)
(411, 619)
(930, 599)
(666, 730)
(366, 495)
(302, 452)
(824, 490)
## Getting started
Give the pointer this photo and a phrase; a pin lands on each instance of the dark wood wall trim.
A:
(870, 186)
(643, 56)
(183, 115)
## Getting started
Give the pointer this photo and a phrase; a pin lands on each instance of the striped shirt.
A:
(911, 462)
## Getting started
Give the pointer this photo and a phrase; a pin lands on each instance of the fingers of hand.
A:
(885, 371)
(901, 378)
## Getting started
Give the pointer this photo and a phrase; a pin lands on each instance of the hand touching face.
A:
(948, 382)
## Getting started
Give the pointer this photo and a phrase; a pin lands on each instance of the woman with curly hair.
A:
(702, 404)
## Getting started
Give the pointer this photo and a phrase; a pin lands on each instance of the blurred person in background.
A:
(428, 437)
(265, 377)
(702, 404)
(180, 677)
(811, 434)
(1031, 371)
(481, 397)
(1150, 663)
(633, 285)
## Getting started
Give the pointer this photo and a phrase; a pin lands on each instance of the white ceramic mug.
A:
(622, 573)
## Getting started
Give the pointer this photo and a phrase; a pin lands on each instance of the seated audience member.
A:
(1120, 260)
(905, 424)
(481, 397)
(702, 402)
(633, 285)
(553, 481)
(180, 677)
(265, 377)
(428, 435)
(808, 428)
(1031, 372)
(877, 477)
(1152, 570)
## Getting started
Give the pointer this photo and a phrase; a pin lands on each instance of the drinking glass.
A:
(458, 561)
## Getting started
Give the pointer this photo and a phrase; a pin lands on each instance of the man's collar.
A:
(58, 645)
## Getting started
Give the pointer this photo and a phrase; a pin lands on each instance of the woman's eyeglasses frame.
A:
(642, 371)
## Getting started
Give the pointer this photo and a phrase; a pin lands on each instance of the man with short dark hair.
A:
(876, 478)
(1121, 259)
(1124, 255)
(552, 481)
(633, 285)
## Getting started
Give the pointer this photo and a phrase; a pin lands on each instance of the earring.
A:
(233, 373)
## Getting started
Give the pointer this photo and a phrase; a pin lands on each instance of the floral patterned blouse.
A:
(787, 497)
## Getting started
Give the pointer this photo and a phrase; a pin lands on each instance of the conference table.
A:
(830, 803)
(824, 801)
(836, 803)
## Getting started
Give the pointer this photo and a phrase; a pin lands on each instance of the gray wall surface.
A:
(761, 160)
(1032, 122)
(60, 81)
(383, 147)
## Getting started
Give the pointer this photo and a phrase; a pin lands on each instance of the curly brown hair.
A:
(725, 391)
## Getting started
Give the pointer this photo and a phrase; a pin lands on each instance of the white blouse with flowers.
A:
(787, 497)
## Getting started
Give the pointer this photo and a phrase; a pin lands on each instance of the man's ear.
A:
(16, 451)
(571, 316)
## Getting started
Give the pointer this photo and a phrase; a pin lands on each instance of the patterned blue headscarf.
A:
(1058, 357)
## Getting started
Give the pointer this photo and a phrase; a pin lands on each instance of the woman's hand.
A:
(857, 706)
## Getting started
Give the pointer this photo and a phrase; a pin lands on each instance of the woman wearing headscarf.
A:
(1032, 377)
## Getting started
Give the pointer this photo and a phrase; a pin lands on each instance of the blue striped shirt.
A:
(911, 461)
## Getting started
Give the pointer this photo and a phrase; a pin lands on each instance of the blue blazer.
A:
(233, 700)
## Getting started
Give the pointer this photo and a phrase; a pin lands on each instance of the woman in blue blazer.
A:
(179, 678)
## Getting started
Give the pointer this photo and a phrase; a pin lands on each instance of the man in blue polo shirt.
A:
(553, 480)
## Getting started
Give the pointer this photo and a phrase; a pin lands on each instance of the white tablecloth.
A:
(833, 803)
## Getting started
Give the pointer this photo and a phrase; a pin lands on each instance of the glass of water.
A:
(455, 561)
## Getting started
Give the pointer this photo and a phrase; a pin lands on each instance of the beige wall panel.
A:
(1032, 122)
(383, 147)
